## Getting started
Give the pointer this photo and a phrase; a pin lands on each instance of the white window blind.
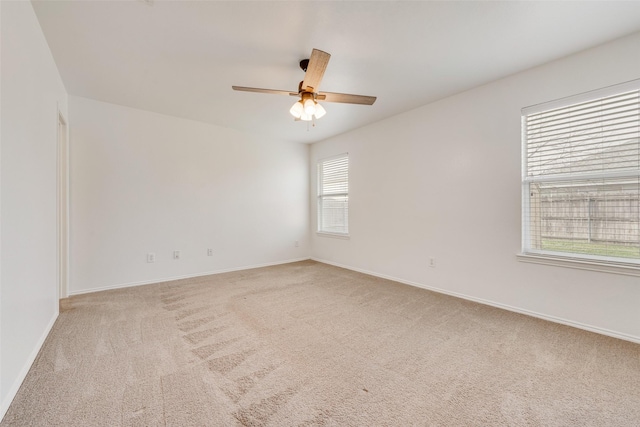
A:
(333, 195)
(581, 176)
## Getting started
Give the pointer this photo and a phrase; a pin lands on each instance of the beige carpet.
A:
(307, 344)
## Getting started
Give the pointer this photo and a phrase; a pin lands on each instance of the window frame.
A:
(321, 196)
(600, 263)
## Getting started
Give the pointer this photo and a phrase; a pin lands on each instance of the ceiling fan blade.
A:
(271, 91)
(346, 98)
(315, 70)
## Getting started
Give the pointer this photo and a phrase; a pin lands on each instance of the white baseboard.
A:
(4, 406)
(188, 276)
(550, 318)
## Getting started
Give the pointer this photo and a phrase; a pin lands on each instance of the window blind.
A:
(333, 195)
(581, 176)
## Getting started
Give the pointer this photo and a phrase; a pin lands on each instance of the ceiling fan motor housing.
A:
(302, 91)
(307, 95)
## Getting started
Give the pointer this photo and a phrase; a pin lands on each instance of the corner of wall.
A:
(11, 394)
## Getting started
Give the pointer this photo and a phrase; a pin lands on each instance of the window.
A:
(333, 195)
(581, 177)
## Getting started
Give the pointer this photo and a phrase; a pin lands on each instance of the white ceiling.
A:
(180, 58)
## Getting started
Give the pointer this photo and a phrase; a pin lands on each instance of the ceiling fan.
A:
(308, 107)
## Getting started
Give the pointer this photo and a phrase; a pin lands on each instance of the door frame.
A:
(62, 202)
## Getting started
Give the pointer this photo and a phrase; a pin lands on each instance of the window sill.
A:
(333, 235)
(627, 269)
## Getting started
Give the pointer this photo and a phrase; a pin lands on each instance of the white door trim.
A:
(63, 206)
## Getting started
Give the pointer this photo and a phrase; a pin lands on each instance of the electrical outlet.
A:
(209, 252)
(432, 262)
(176, 254)
(296, 243)
(151, 257)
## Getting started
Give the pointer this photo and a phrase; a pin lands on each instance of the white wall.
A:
(31, 92)
(443, 181)
(143, 182)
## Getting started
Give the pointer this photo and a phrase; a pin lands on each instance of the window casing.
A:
(581, 176)
(333, 195)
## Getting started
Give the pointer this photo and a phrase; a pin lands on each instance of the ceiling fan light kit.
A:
(297, 110)
(308, 107)
(320, 111)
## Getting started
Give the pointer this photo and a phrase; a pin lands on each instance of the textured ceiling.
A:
(181, 58)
